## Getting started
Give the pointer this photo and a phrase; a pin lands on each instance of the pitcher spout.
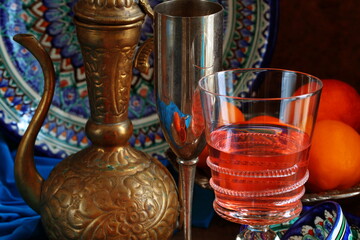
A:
(28, 180)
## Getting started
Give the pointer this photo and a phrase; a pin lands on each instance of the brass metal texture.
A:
(142, 56)
(28, 180)
(109, 12)
(109, 193)
(108, 190)
(108, 53)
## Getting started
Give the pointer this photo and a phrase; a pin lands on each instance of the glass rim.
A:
(300, 96)
(164, 7)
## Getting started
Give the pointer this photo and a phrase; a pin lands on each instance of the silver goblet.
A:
(188, 38)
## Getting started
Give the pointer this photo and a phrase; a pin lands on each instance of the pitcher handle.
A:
(141, 61)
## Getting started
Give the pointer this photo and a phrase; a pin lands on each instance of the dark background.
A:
(320, 37)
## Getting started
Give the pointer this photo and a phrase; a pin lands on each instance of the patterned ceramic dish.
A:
(322, 221)
(248, 37)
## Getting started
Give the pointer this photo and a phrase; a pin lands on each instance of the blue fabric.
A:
(19, 222)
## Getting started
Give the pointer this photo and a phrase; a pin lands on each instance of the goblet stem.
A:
(187, 169)
(257, 233)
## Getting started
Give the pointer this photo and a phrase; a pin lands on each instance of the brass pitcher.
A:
(108, 190)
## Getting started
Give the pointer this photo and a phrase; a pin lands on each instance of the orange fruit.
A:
(306, 88)
(339, 101)
(230, 113)
(334, 159)
(300, 112)
(306, 126)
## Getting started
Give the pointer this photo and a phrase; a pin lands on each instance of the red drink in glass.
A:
(259, 168)
(258, 172)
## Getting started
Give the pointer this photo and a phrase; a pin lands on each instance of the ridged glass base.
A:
(257, 218)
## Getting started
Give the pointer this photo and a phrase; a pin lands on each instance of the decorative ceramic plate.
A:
(326, 220)
(248, 37)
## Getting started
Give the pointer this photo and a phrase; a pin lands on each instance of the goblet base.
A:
(256, 217)
(257, 233)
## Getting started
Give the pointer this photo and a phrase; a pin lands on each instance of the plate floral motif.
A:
(322, 221)
(248, 37)
(321, 229)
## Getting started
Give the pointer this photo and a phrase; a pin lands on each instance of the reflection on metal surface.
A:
(334, 194)
(188, 39)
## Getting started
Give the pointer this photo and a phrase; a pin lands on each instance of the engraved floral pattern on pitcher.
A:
(109, 100)
(106, 205)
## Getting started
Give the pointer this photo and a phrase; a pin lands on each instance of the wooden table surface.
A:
(221, 229)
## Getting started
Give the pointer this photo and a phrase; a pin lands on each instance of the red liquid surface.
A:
(258, 172)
